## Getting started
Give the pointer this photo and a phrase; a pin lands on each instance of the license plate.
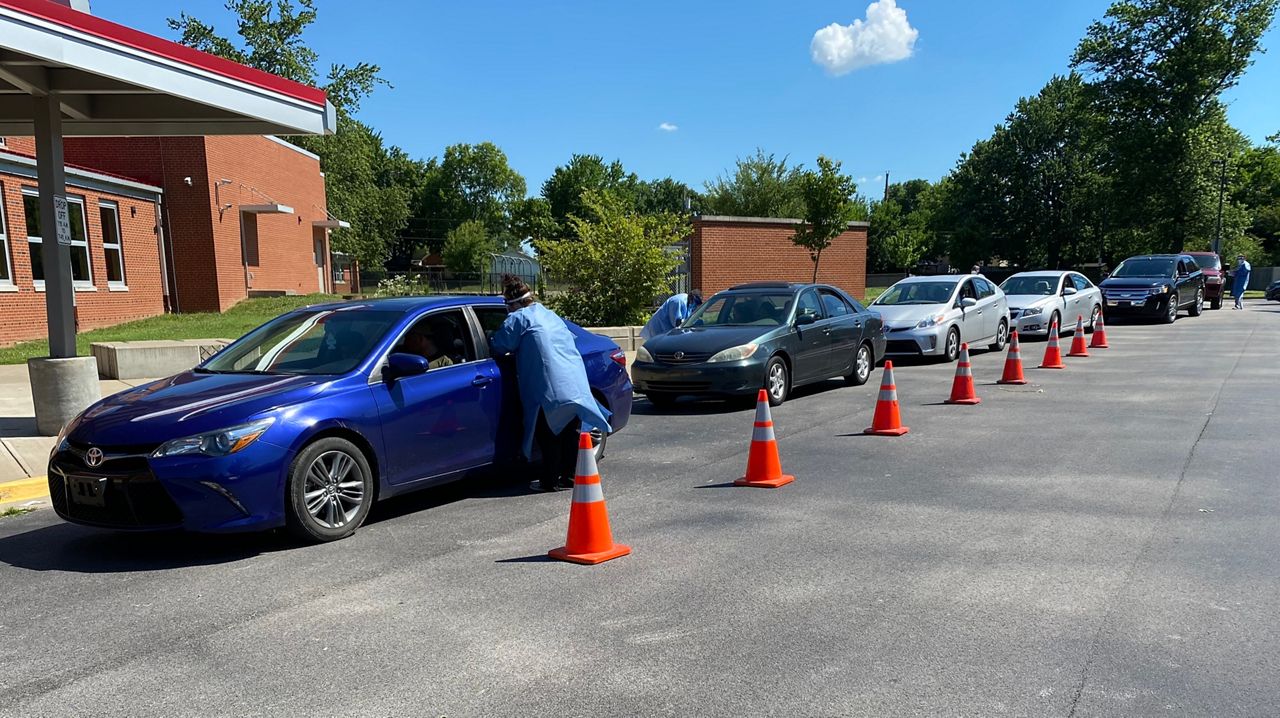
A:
(87, 490)
(1118, 303)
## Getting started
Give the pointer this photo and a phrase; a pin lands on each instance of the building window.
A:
(111, 249)
(6, 266)
(81, 274)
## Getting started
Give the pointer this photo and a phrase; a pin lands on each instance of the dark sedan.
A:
(1156, 286)
(773, 335)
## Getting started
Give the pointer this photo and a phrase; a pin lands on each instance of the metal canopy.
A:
(112, 80)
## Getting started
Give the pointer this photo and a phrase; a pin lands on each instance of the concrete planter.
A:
(147, 359)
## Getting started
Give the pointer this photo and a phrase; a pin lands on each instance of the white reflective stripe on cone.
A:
(586, 463)
(963, 370)
(762, 412)
(587, 493)
(763, 433)
(888, 395)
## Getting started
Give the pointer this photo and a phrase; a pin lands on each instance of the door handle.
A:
(481, 380)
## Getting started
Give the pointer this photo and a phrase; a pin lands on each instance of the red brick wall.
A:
(725, 252)
(24, 309)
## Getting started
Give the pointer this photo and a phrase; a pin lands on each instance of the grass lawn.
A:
(229, 325)
(872, 293)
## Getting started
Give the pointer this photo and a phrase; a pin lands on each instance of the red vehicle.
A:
(1215, 280)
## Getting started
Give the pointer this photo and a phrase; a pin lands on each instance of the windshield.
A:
(306, 342)
(1207, 261)
(742, 309)
(1154, 267)
(1043, 286)
(917, 293)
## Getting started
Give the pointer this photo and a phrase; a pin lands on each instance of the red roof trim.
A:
(114, 32)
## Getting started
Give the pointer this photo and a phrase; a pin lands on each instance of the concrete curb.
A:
(13, 493)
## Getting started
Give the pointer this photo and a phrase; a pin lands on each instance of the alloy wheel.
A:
(334, 491)
(777, 381)
(863, 367)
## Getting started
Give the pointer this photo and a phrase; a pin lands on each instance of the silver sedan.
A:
(931, 316)
(1038, 299)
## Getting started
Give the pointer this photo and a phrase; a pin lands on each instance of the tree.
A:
(760, 186)
(467, 248)
(620, 262)
(565, 188)
(471, 182)
(830, 204)
(1157, 69)
(532, 221)
(897, 239)
(666, 195)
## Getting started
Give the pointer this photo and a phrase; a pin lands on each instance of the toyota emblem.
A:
(93, 457)
(679, 355)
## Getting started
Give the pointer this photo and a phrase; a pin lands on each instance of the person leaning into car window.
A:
(418, 342)
(554, 392)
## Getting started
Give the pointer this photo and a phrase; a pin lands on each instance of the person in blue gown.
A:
(554, 394)
(1241, 280)
(671, 314)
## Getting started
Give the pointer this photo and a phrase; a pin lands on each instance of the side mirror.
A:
(1068, 291)
(805, 319)
(402, 365)
(967, 302)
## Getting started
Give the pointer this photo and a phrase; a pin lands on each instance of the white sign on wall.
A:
(62, 220)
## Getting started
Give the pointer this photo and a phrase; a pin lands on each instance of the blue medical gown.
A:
(550, 372)
(670, 315)
(1241, 282)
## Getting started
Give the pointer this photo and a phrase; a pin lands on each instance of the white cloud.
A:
(668, 127)
(862, 180)
(878, 177)
(885, 36)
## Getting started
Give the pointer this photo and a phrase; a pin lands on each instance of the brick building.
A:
(185, 224)
(724, 251)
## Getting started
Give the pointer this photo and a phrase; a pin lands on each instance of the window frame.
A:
(1081, 282)
(118, 245)
(824, 292)
(80, 285)
(822, 310)
(10, 284)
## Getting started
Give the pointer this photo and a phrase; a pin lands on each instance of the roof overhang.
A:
(266, 208)
(331, 224)
(113, 80)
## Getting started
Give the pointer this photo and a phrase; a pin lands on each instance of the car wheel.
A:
(951, 350)
(1002, 336)
(1093, 318)
(1171, 311)
(862, 361)
(661, 401)
(1197, 307)
(329, 491)
(777, 383)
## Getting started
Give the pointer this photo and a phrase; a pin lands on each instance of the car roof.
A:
(1044, 273)
(937, 278)
(1156, 256)
(1202, 254)
(410, 304)
(765, 285)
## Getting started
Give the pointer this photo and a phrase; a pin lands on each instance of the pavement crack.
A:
(1131, 571)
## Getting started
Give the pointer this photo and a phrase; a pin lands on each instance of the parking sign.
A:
(62, 220)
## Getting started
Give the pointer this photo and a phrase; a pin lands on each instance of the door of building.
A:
(319, 259)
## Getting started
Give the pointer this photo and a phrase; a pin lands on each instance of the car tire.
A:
(1197, 307)
(335, 474)
(1093, 317)
(951, 349)
(1002, 336)
(599, 440)
(1171, 310)
(777, 381)
(863, 360)
(1215, 303)
(661, 401)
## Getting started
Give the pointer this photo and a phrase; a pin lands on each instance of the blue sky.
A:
(547, 79)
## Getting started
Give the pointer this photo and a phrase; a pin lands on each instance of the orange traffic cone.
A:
(589, 539)
(764, 468)
(1013, 363)
(1078, 347)
(962, 391)
(886, 421)
(1099, 340)
(1052, 354)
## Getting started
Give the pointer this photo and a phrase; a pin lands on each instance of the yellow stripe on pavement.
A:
(24, 490)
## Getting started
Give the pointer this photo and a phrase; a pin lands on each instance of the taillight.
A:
(620, 357)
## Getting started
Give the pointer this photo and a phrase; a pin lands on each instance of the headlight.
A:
(215, 443)
(62, 433)
(1159, 290)
(643, 355)
(735, 353)
(931, 321)
(1032, 311)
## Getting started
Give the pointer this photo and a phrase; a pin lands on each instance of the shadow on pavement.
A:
(535, 558)
(66, 547)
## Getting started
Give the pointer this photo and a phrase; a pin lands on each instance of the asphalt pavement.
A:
(1100, 542)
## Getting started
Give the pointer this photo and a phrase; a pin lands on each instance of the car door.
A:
(813, 341)
(989, 303)
(489, 318)
(845, 328)
(1071, 304)
(444, 420)
(1089, 295)
(971, 320)
(1190, 278)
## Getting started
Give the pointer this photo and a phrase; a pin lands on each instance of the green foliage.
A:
(666, 195)
(760, 186)
(830, 204)
(532, 220)
(470, 183)
(898, 239)
(619, 263)
(467, 248)
(564, 190)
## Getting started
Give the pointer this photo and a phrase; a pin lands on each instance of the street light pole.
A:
(1222, 191)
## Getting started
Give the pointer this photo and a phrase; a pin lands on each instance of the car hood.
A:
(707, 339)
(906, 315)
(1135, 282)
(189, 403)
(1023, 301)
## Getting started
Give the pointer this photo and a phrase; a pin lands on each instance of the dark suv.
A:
(1156, 286)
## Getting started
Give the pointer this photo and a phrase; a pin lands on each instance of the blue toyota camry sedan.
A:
(307, 420)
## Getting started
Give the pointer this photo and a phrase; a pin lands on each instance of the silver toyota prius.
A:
(1037, 299)
(931, 316)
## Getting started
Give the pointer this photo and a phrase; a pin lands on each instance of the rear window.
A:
(1207, 261)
